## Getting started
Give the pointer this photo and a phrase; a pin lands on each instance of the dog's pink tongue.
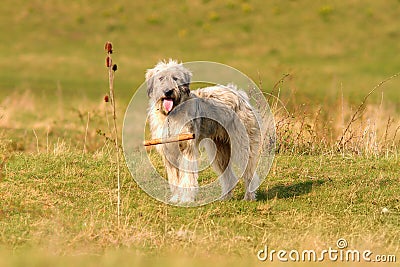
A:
(168, 104)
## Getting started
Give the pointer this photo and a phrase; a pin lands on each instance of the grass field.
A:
(58, 199)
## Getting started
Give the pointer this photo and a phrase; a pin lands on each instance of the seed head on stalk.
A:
(111, 70)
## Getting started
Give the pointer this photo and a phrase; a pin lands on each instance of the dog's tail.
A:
(240, 92)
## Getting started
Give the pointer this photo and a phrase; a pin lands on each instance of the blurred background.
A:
(327, 47)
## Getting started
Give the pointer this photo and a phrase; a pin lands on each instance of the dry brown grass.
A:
(303, 129)
(307, 130)
(367, 129)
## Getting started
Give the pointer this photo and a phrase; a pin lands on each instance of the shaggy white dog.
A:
(222, 120)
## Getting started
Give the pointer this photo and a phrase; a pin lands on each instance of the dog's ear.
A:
(187, 75)
(188, 78)
(150, 80)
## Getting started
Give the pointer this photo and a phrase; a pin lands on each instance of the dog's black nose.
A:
(168, 93)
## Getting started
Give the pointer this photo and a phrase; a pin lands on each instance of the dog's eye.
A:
(175, 78)
(161, 78)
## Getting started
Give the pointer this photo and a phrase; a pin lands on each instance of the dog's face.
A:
(168, 85)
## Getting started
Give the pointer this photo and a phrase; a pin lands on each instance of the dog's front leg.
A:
(188, 174)
(173, 180)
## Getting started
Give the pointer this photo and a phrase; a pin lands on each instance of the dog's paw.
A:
(250, 196)
(226, 196)
(174, 199)
(186, 199)
(187, 195)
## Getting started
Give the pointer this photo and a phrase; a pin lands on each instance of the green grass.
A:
(66, 204)
(58, 176)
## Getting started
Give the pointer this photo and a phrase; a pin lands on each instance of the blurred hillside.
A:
(326, 46)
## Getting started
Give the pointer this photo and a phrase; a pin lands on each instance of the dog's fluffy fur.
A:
(221, 118)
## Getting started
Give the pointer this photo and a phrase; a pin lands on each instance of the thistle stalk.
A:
(111, 72)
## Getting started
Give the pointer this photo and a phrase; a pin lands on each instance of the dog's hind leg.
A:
(223, 167)
(251, 178)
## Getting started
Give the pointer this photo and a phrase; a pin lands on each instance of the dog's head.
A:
(168, 85)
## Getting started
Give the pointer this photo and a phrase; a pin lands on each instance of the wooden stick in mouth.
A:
(175, 138)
